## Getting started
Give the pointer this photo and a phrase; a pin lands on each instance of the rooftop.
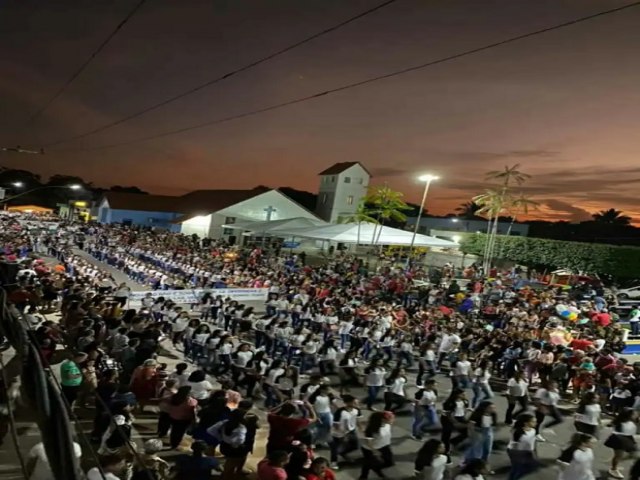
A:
(338, 168)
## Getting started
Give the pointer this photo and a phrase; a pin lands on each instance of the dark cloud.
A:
(386, 172)
(574, 213)
(503, 156)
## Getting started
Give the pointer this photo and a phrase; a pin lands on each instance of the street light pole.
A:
(427, 179)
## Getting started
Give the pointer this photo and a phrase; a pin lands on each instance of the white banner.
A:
(194, 295)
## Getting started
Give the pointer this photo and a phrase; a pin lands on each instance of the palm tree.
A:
(468, 210)
(492, 204)
(385, 204)
(508, 175)
(497, 201)
(521, 205)
(611, 217)
(361, 215)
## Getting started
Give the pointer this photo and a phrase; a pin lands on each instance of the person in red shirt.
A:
(602, 319)
(272, 467)
(284, 426)
(319, 470)
(581, 344)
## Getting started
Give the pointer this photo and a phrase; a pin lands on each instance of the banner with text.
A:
(194, 295)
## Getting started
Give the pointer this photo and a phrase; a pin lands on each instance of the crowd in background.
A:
(328, 333)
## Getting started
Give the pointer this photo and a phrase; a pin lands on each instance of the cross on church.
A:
(269, 211)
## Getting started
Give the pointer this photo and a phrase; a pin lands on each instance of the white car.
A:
(633, 293)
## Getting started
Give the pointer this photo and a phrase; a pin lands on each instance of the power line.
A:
(86, 63)
(360, 83)
(209, 83)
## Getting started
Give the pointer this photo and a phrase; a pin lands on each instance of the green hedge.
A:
(622, 262)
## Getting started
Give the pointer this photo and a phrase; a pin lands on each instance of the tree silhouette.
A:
(385, 204)
(361, 215)
(611, 217)
(469, 210)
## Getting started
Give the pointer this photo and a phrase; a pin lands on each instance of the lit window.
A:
(347, 179)
(350, 200)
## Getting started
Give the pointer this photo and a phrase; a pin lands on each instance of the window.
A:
(227, 231)
(229, 220)
(361, 181)
(347, 179)
(333, 179)
(350, 200)
(324, 198)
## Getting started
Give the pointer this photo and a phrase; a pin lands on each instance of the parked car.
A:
(632, 293)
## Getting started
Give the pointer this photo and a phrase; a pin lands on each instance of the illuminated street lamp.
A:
(74, 186)
(427, 179)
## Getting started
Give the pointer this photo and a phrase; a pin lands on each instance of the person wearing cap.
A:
(149, 464)
(71, 377)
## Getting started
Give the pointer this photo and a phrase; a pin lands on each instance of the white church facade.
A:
(205, 212)
(270, 205)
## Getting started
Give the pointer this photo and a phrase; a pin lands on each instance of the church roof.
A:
(141, 202)
(338, 168)
(192, 203)
(214, 200)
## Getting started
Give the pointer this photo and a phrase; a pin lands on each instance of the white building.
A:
(229, 206)
(342, 186)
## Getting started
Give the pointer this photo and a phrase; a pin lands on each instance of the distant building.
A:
(228, 206)
(453, 226)
(342, 186)
(203, 212)
(156, 211)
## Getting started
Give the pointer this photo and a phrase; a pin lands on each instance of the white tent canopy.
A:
(274, 227)
(367, 234)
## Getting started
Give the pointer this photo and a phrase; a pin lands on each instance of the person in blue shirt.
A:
(196, 466)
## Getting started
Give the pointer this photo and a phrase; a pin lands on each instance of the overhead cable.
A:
(359, 83)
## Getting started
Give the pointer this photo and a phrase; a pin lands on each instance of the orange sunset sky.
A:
(564, 105)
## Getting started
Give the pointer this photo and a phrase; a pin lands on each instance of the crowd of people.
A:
(328, 333)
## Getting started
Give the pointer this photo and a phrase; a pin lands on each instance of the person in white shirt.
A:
(431, 463)
(481, 388)
(201, 388)
(38, 467)
(322, 400)
(375, 374)
(344, 330)
(424, 410)
(376, 446)
(448, 344)
(546, 400)
(461, 372)
(521, 448)
(577, 460)
(426, 363)
(112, 465)
(395, 396)
(310, 348)
(622, 440)
(472, 470)
(344, 428)
(517, 392)
(587, 418)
